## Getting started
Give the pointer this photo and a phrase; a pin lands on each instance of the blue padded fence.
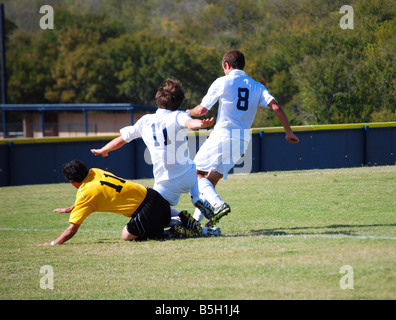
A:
(39, 161)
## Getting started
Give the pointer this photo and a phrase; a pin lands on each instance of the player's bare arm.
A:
(198, 111)
(64, 210)
(281, 115)
(66, 235)
(111, 146)
(199, 124)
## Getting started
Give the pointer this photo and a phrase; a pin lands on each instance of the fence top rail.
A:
(56, 139)
(206, 132)
(75, 106)
(318, 127)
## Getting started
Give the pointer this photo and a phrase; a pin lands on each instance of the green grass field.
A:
(287, 237)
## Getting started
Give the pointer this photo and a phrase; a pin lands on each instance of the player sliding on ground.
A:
(165, 135)
(238, 96)
(102, 191)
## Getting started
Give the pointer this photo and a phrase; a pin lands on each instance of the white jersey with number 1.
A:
(165, 136)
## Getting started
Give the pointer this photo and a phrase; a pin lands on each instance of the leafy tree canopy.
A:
(122, 50)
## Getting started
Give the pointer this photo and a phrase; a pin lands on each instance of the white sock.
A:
(173, 222)
(209, 193)
(198, 215)
(194, 193)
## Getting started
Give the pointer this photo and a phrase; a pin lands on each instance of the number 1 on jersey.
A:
(116, 187)
(165, 134)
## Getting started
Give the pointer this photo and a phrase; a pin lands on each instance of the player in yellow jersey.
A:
(102, 191)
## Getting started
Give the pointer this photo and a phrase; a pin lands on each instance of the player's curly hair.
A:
(75, 171)
(170, 95)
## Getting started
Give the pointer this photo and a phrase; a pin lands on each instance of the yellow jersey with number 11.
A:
(102, 191)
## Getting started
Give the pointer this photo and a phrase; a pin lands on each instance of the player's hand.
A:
(292, 138)
(206, 123)
(44, 244)
(64, 210)
(97, 152)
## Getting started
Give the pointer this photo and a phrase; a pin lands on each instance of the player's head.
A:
(170, 95)
(235, 59)
(75, 171)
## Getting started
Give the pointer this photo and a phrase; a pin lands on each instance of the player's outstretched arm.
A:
(281, 115)
(111, 146)
(64, 210)
(66, 235)
(198, 111)
(199, 124)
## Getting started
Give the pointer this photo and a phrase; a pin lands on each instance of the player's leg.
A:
(207, 185)
(126, 236)
(219, 213)
(168, 190)
(213, 162)
(210, 195)
(182, 224)
(190, 223)
(149, 221)
(201, 204)
(198, 215)
(172, 189)
(174, 212)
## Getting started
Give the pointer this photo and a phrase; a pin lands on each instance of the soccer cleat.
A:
(182, 232)
(205, 207)
(207, 232)
(190, 223)
(218, 214)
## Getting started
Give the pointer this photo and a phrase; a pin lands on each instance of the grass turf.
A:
(287, 237)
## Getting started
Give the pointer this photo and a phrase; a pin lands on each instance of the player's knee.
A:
(214, 177)
(201, 174)
(126, 236)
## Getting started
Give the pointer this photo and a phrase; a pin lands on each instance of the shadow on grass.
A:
(335, 229)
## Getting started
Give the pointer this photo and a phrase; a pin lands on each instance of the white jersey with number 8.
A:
(238, 96)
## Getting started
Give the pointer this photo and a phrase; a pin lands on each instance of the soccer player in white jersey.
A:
(238, 96)
(165, 135)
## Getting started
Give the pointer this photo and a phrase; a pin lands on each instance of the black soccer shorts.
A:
(149, 220)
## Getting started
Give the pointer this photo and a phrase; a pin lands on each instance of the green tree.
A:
(29, 72)
(122, 50)
(141, 63)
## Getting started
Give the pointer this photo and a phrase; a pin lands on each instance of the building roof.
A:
(77, 107)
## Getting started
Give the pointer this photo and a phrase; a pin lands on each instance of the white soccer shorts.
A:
(222, 150)
(171, 190)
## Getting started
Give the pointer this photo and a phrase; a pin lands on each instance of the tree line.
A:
(120, 51)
